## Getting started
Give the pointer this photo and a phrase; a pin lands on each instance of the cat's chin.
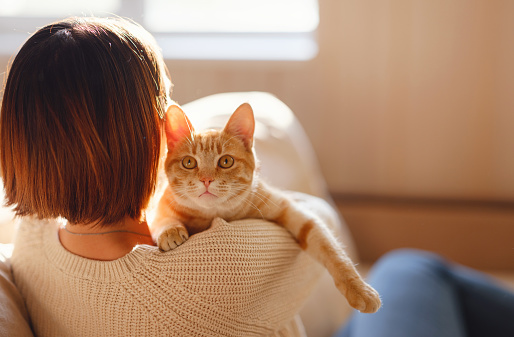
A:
(208, 200)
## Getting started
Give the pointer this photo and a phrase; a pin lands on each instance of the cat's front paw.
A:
(172, 237)
(362, 296)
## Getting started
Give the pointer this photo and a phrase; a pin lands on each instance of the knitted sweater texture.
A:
(244, 278)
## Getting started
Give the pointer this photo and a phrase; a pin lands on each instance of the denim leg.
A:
(419, 300)
(488, 309)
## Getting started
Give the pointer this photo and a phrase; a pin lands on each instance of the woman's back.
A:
(240, 287)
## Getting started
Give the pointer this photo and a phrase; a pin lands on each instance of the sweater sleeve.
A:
(244, 278)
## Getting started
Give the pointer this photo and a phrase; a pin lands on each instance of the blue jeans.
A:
(425, 296)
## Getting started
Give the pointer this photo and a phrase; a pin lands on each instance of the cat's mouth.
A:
(207, 194)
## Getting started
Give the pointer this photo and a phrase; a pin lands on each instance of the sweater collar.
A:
(85, 268)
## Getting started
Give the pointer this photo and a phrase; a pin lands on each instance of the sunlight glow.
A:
(57, 8)
(231, 16)
(220, 47)
(283, 30)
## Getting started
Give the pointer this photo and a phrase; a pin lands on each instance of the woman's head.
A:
(80, 121)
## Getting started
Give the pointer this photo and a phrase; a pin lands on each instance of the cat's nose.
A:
(206, 181)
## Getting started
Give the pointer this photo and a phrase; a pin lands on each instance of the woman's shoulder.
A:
(245, 254)
(251, 257)
(228, 246)
(240, 271)
(223, 248)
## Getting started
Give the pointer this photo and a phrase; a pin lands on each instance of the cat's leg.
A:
(168, 232)
(171, 235)
(319, 241)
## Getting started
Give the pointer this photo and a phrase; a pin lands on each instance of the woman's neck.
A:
(106, 243)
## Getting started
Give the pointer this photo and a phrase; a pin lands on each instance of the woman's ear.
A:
(177, 126)
(242, 125)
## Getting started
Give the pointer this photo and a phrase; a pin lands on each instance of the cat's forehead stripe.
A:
(206, 143)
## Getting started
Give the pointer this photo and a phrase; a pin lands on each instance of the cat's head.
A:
(213, 168)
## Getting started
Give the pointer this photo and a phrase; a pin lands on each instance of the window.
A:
(186, 29)
(56, 8)
(235, 16)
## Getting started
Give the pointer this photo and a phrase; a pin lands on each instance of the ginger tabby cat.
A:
(213, 174)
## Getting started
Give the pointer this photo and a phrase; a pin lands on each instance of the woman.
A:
(81, 144)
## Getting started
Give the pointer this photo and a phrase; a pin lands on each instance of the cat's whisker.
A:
(180, 193)
(175, 200)
(255, 207)
(239, 185)
(240, 188)
(229, 140)
(263, 198)
(235, 189)
(266, 197)
(191, 140)
(191, 132)
(231, 203)
(236, 193)
(264, 202)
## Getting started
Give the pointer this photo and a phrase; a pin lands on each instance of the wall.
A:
(406, 99)
(422, 102)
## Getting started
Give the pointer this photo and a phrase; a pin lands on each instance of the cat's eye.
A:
(189, 162)
(226, 161)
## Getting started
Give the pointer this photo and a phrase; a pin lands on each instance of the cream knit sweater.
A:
(245, 278)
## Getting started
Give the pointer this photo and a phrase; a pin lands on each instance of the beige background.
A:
(405, 98)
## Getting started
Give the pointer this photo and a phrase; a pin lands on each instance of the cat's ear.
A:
(177, 126)
(242, 124)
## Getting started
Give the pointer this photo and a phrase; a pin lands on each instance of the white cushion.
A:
(13, 314)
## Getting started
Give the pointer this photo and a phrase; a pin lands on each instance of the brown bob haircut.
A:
(80, 124)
